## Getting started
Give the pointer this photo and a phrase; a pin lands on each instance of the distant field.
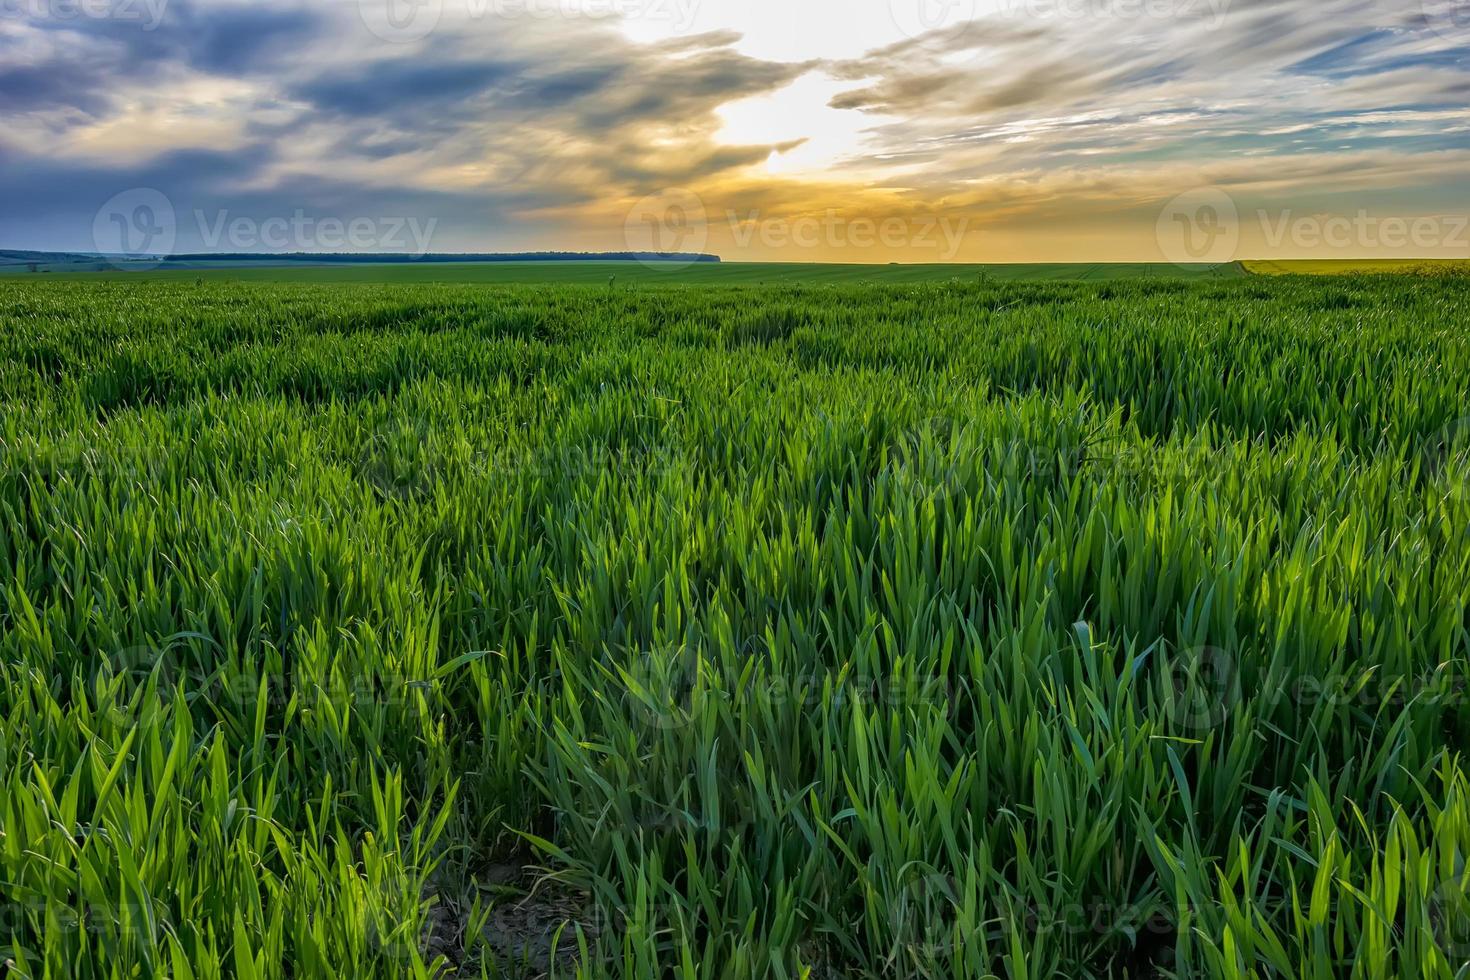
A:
(1343, 267)
(704, 273)
(726, 273)
(988, 630)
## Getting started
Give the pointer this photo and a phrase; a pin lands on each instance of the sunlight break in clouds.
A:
(1030, 129)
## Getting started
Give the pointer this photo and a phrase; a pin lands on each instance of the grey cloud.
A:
(55, 207)
(53, 84)
(402, 86)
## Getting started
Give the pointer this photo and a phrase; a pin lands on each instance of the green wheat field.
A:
(972, 627)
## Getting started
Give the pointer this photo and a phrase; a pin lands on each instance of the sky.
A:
(790, 130)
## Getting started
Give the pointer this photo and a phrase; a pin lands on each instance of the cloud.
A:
(1275, 79)
(403, 88)
(521, 125)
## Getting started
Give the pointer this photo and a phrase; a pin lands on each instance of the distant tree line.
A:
(34, 259)
(396, 257)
